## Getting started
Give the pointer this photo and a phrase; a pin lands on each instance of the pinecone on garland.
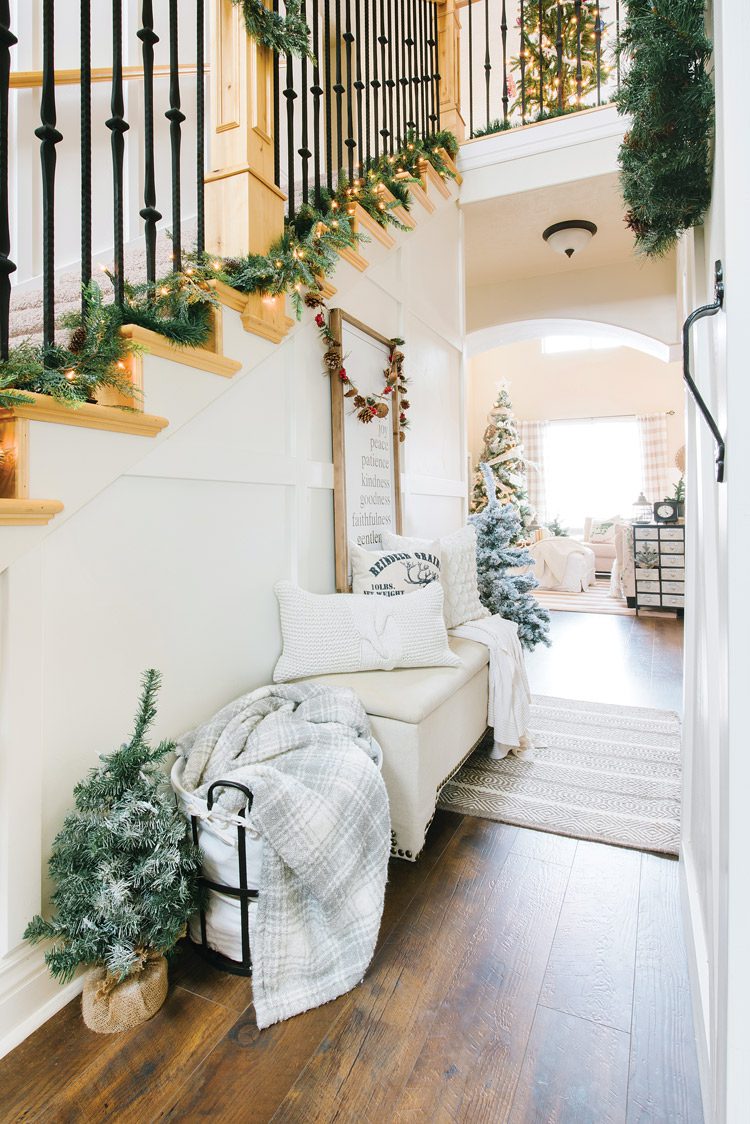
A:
(77, 341)
(639, 226)
(232, 265)
(332, 359)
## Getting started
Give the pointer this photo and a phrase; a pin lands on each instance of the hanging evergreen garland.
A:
(665, 156)
(178, 307)
(287, 34)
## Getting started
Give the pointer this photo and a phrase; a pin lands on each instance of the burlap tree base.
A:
(108, 1009)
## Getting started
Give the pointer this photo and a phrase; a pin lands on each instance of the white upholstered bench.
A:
(428, 720)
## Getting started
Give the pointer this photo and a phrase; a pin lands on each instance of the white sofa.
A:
(428, 721)
(604, 552)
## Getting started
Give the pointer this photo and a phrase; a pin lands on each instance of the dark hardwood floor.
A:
(519, 977)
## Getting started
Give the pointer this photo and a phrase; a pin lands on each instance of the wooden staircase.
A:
(47, 449)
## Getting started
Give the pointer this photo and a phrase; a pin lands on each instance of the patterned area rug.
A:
(606, 773)
(595, 599)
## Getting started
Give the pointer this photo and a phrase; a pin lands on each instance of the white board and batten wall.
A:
(173, 565)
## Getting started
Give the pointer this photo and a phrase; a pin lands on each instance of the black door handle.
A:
(700, 314)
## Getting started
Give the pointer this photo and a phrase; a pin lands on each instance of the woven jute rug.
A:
(606, 773)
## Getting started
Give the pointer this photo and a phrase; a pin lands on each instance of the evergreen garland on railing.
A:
(287, 34)
(665, 155)
(179, 306)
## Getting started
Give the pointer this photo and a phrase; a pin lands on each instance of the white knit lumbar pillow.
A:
(458, 572)
(325, 634)
(391, 573)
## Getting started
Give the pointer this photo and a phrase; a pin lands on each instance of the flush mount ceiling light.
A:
(570, 236)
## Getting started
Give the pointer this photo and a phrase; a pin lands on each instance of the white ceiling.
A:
(504, 235)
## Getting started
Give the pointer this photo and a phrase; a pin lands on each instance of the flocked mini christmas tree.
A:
(124, 863)
(501, 590)
(504, 455)
(559, 87)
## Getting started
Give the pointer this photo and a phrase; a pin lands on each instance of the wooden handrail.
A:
(32, 79)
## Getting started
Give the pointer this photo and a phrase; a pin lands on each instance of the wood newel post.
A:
(449, 65)
(244, 207)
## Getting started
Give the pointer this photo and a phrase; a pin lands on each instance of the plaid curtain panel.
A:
(532, 435)
(652, 434)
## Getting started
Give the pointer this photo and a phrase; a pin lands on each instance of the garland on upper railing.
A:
(179, 306)
(287, 34)
(665, 156)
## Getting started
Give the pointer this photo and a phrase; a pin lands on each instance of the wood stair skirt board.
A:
(28, 513)
(208, 359)
(417, 192)
(262, 316)
(353, 257)
(87, 415)
(361, 219)
(452, 165)
(433, 179)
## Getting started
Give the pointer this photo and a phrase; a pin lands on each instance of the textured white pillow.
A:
(325, 634)
(391, 573)
(602, 530)
(458, 572)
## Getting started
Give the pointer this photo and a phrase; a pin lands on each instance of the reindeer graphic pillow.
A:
(391, 573)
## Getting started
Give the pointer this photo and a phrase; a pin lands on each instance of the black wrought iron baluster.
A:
(579, 65)
(276, 112)
(304, 149)
(349, 140)
(175, 116)
(86, 251)
(423, 52)
(416, 74)
(200, 124)
(118, 126)
(359, 84)
(504, 39)
(329, 114)
(404, 76)
(397, 73)
(409, 64)
(7, 40)
(541, 56)
(559, 45)
(471, 71)
(487, 62)
(339, 90)
(390, 83)
(432, 64)
(383, 41)
(316, 90)
(598, 41)
(290, 95)
(367, 88)
(436, 68)
(50, 137)
(149, 213)
(375, 84)
(522, 57)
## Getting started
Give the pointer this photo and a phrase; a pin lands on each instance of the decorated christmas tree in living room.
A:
(503, 453)
(550, 92)
(502, 589)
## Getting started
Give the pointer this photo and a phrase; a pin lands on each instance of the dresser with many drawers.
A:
(659, 550)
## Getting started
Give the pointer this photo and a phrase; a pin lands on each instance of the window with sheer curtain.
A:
(592, 467)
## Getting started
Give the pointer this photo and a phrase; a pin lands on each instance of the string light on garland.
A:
(367, 407)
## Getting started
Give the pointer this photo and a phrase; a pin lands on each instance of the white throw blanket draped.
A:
(509, 708)
(320, 804)
(551, 557)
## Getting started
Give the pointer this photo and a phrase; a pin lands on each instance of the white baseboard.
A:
(698, 972)
(28, 995)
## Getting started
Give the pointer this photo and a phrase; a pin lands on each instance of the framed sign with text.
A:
(366, 467)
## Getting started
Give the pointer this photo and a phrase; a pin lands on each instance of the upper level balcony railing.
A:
(527, 60)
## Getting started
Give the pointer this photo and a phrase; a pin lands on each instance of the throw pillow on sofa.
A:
(458, 572)
(330, 633)
(391, 573)
(602, 530)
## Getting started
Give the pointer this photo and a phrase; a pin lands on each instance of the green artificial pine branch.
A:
(287, 34)
(665, 157)
(124, 863)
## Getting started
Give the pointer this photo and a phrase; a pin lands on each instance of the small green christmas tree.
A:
(124, 863)
(556, 89)
(503, 453)
(502, 589)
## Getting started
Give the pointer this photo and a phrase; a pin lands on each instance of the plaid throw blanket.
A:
(319, 802)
